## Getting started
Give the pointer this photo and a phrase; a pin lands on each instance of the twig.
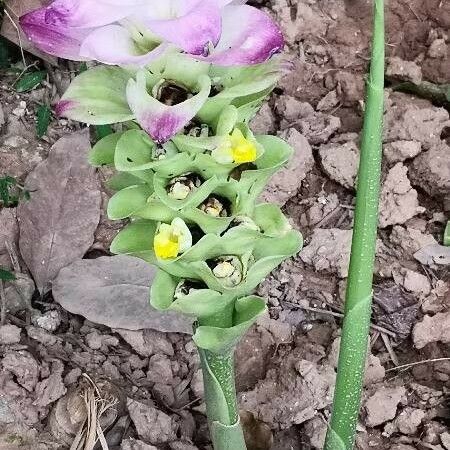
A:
(387, 344)
(339, 315)
(3, 304)
(407, 366)
(19, 37)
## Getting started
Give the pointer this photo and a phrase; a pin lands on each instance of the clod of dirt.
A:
(329, 250)
(340, 162)
(9, 334)
(409, 420)
(23, 366)
(134, 444)
(374, 371)
(434, 256)
(445, 439)
(398, 201)
(285, 183)
(401, 70)
(432, 329)
(413, 281)
(258, 436)
(52, 388)
(147, 342)
(382, 405)
(152, 425)
(19, 293)
(264, 121)
(411, 240)
(185, 446)
(399, 151)
(114, 291)
(317, 127)
(410, 119)
(252, 355)
(291, 394)
(330, 101)
(438, 49)
(438, 300)
(316, 429)
(431, 170)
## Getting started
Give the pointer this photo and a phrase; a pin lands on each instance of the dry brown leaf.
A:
(10, 26)
(57, 224)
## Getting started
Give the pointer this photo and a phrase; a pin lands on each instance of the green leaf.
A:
(134, 238)
(103, 151)
(102, 131)
(127, 201)
(29, 81)
(447, 234)
(122, 180)
(271, 220)
(222, 340)
(98, 96)
(43, 116)
(6, 275)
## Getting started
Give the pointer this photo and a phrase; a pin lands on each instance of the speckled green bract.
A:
(255, 236)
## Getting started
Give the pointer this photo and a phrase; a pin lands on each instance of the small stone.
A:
(409, 420)
(432, 329)
(152, 425)
(399, 151)
(399, 201)
(382, 405)
(9, 334)
(316, 429)
(438, 49)
(404, 70)
(49, 321)
(411, 240)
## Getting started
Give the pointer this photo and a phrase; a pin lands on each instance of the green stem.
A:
(355, 331)
(220, 390)
(221, 403)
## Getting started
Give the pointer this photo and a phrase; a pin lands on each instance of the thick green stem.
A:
(220, 390)
(355, 331)
(221, 403)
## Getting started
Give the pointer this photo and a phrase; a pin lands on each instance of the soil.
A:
(144, 387)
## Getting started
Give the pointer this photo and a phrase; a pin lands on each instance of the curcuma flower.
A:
(172, 240)
(135, 32)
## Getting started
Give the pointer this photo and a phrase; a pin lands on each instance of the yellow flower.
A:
(235, 148)
(172, 240)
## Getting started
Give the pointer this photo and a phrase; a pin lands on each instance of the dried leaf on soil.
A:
(114, 291)
(57, 224)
